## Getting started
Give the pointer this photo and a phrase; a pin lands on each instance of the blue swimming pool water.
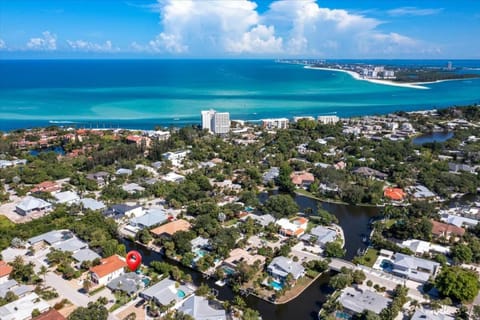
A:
(276, 285)
(386, 265)
(181, 294)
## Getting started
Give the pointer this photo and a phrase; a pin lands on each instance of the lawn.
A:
(369, 258)
(5, 223)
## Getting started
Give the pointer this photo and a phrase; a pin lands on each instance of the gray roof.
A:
(133, 187)
(6, 286)
(422, 192)
(92, 204)
(281, 267)
(129, 283)
(166, 291)
(369, 172)
(23, 307)
(66, 196)
(21, 290)
(201, 309)
(72, 245)
(414, 268)
(199, 242)
(358, 301)
(455, 167)
(459, 221)
(31, 203)
(123, 171)
(151, 218)
(85, 254)
(271, 174)
(263, 220)
(52, 237)
(324, 235)
(422, 314)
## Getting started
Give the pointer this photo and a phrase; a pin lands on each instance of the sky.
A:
(355, 29)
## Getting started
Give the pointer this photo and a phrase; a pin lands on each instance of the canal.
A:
(432, 137)
(355, 223)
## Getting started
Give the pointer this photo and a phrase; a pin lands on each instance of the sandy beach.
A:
(356, 76)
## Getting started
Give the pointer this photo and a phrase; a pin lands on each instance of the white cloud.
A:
(414, 11)
(82, 45)
(2, 44)
(260, 39)
(48, 42)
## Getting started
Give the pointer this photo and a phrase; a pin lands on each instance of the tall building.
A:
(328, 119)
(216, 122)
(277, 123)
(449, 65)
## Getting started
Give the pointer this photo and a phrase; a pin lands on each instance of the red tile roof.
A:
(172, 227)
(443, 229)
(108, 265)
(394, 194)
(47, 186)
(5, 269)
(52, 314)
(301, 177)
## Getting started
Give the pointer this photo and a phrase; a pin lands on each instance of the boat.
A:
(220, 283)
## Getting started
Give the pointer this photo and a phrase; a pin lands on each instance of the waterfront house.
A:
(321, 234)
(420, 192)
(67, 197)
(119, 211)
(263, 220)
(444, 230)
(5, 270)
(152, 217)
(302, 178)
(200, 243)
(370, 173)
(23, 307)
(129, 283)
(414, 268)
(30, 204)
(420, 247)
(293, 228)
(395, 194)
(459, 221)
(355, 301)
(108, 269)
(200, 308)
(169, 229)
(281, 266)
(239, 255)
(166, 291)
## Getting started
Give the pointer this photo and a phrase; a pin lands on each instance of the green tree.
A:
(94, 311)
(457, 283)
(280, 206)
(334, 250)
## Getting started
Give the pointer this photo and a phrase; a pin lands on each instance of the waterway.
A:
(433, 137)
(355, 223)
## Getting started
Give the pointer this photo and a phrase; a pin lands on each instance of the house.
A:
(395, 194)
(321, 234)
(157, 164)
(171, 228)
(200, 308)
(293, 228)
(239, 255)
(200, 243)
(5, 270)
(92, 204)
(51, 314)
(132, 188)
(440, 229)
(30, 204)
(85, 254)
(340, 165)
(123, 172)
(420, 192)
(420, 247)
(173, 177)
(108, 269)
(370, 173)
(177, 157)
(152, 217)
(129, 283)
(67, 197)
(100, 177)
(414, 268)
(17, 289)
(119, 211)
(459, 221)
(50, 238)
(23, 307)
(46, 186)
(166, 291)
(426, 314)
(457, 167)
(71, 245)
(281, 266)
(355, 301)
(263, 220)
(302, 178)
(138, 140)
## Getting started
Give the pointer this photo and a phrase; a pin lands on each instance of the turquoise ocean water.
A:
(145, 93)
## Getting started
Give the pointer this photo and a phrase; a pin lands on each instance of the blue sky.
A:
(239, 29)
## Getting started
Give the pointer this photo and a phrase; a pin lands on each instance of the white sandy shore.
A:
(356, 76)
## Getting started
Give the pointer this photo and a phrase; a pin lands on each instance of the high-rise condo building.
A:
(216, 122)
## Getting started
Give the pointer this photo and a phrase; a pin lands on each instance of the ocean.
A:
(147, 93)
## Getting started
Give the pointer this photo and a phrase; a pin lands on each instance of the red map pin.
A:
(134, 259)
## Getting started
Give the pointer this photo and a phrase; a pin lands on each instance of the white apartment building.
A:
(216, 122)
(277, 123)
(328, 119)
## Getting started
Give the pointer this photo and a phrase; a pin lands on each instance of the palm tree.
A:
(43, 272)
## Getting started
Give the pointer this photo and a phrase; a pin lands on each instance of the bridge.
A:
(337, 264)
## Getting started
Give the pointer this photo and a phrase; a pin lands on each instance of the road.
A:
(65, 290)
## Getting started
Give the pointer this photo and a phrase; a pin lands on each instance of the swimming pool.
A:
(228, 271)
(342, 315)
(276, 285)
(181, 294)
(386, 265)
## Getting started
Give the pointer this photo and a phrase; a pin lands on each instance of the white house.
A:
(67, 197)
(30, 204)
(108, 269)
(23, 307)
(177, 157)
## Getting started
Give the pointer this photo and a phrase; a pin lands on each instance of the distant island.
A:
(391, 74)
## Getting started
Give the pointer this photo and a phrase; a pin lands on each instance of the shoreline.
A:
(356, 76)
